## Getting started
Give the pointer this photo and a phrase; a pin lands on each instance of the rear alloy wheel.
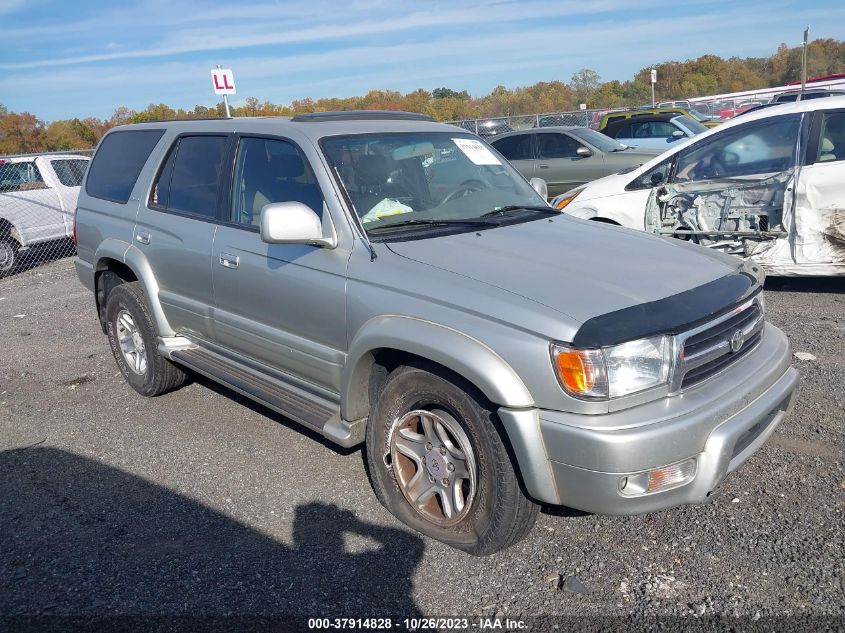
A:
(134, 343)
(438, 462)
(8, 256)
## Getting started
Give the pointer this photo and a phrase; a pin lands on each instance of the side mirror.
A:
(678, 134)
(539, 185)
(583, 152)
(294, 223)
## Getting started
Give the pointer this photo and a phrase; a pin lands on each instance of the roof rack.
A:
(360, 115)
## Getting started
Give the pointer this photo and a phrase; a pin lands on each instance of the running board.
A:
(310, 410)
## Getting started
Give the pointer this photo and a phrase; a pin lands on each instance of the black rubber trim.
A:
(667, 316)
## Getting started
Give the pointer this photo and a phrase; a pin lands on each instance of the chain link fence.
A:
(487, 128)
(38, 194)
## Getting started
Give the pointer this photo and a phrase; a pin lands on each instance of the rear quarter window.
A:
(118, 163)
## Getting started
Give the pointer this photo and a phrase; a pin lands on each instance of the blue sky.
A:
(66, 59)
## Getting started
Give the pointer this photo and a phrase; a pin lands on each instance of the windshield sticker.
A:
(385, 208)
(476, 151)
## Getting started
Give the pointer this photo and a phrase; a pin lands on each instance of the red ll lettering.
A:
(217, 84)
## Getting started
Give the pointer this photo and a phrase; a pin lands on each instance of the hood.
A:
(645, 153)
(578, 268)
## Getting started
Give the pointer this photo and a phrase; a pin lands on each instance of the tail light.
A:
(73, 235)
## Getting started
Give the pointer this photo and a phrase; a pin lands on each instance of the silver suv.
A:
(384, 279)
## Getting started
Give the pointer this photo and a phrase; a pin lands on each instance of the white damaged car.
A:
(769, 185)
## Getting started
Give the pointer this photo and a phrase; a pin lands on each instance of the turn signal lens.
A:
(664, 478)
(560, 203)
(581, 372)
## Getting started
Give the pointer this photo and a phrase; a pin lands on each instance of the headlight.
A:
(561, 202)
(611, 372)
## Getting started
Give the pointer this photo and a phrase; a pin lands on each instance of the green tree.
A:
(584, 84)
(448, 93)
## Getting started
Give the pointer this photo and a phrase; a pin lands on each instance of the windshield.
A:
(423, 177)
(690, 125)
(698, 116)
(598, 140)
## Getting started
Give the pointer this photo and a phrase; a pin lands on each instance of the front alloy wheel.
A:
(434, 465)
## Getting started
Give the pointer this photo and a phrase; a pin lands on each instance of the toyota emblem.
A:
(737, 339)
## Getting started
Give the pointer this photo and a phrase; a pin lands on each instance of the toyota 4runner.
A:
(384, 279)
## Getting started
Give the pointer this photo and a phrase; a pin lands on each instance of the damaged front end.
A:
(789, 229)
(732, 215)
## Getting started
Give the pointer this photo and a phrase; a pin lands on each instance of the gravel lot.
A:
(199, 502)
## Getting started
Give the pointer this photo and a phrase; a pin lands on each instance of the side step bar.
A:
(310, 410)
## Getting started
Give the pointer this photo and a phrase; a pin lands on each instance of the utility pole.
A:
(653, 81)
(804, 62)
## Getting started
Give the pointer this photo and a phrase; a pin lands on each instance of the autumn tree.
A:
(22, 133)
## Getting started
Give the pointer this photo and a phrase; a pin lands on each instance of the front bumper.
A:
(579, 460)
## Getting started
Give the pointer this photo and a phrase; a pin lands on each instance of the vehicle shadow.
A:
(85, 546)
(834, 285)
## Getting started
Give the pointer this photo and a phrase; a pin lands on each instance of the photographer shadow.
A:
(83, 542)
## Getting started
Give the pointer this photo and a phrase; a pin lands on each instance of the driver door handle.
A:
(228, 260)
(544, 166)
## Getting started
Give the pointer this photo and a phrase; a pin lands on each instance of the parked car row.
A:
(567, 157)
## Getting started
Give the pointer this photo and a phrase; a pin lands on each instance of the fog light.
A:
(671, 476)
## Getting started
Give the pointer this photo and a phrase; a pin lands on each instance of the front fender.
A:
(463, 354)
(137, 262)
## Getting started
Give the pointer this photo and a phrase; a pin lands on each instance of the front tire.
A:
(438, 463)
(134, 343)
(8, 256)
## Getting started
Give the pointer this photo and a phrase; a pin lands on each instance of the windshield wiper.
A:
(519, 207)
(442, 222)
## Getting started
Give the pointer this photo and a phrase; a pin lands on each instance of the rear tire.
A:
(134, 343)
(455, 482)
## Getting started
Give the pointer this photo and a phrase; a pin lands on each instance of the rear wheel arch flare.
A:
(109, 274)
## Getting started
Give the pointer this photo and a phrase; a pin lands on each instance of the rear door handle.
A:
(142, 237)
(544, 166)
(229, 261)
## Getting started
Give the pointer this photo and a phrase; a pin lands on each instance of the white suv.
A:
(769, 185)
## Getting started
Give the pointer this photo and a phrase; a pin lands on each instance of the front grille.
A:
(707, 351)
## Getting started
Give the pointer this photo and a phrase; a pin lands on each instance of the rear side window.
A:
(70, 171)
(118, 163)
(190, 178)
(516, 147)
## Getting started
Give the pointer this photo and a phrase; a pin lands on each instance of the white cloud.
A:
(245, 31)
